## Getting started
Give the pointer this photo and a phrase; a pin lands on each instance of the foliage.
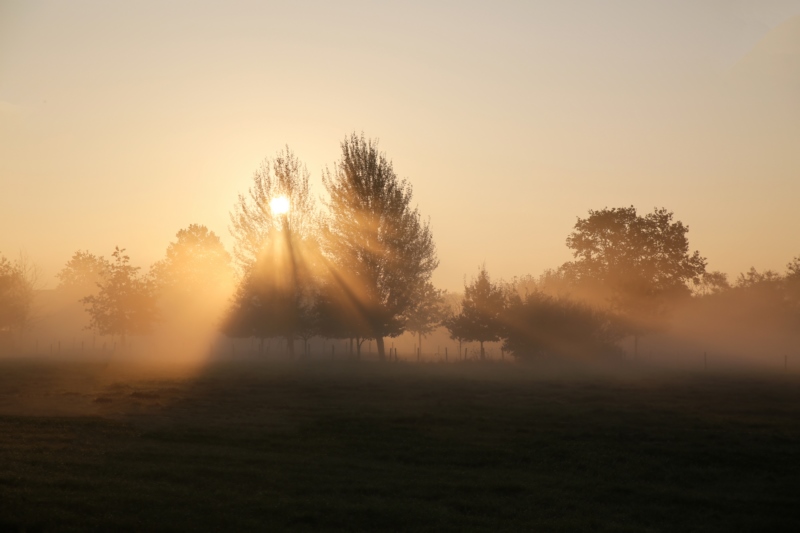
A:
(541, 325)
(17, 285)
(375, 243)
(710, 283)
(277, 254)
(126, 302)
(428, 310)
(637, 264)
(196, 262)
(254, 225)
(482, 310)
(82, 273)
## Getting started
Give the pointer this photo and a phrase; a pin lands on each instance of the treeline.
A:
(359, 267)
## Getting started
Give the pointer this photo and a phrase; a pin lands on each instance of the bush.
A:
(541, 325)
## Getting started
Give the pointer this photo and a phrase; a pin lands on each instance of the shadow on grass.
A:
(343, 446)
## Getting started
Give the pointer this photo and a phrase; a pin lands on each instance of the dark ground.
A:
(365, 447)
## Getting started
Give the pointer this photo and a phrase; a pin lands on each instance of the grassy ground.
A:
(396, 447)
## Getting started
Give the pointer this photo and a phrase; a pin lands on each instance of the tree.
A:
(276, 248)
(82, 273)
(196, 262)
(635, 263)
(194, 282)
(541, 325)
(17, 288)
(254, 223)
(792, 280)
(376, 246)
(481, 317)
(126, 302)
(711, 283)
(428, 311)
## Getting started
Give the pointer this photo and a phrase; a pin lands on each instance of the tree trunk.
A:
(420, 342)
(358, 348)
(381, 349)
(483, 354)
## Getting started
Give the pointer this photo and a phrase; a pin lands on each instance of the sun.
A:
(279, 205)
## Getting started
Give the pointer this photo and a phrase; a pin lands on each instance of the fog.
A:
(366, 264)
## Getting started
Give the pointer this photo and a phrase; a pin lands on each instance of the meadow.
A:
(345, 446)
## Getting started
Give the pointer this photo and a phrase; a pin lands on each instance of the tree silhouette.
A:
(196, 262)
(255, 226)
(82, 273)
(539, 325)
(427, 312)
(17, 285)
(635, 263)
(194, 282)
(126, 302)
(277, 253)
(481, 316)
(376, 246)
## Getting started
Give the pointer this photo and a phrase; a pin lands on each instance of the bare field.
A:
(345, 446)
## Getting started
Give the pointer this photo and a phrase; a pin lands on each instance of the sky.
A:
(123, 122)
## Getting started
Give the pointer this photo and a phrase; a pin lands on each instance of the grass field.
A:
(369, 447)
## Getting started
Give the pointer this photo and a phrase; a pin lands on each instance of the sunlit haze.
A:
(121, 123)
(440, 265)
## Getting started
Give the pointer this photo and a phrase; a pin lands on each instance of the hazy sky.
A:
(123, 122)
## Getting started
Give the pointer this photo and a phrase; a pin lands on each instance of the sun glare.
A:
(279, 205)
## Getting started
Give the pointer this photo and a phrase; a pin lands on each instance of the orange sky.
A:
(121, 123)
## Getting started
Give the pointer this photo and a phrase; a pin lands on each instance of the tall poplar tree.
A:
(377, 247)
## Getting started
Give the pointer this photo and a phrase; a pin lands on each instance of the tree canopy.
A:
(126, 302)
(17, 286)
(196, 262)
(254, 225)
(634, 263)
(82, 273)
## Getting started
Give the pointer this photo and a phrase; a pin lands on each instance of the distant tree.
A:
(125, 303)
(277, 251)
(792, 281)
(196, 262)
(82, 274)
(481, 316)
(711, 283)
(635, 263)
(18, 282)
(375, 244)
(428, 311)
(194, 283)
(754, 278)
(539, 325)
